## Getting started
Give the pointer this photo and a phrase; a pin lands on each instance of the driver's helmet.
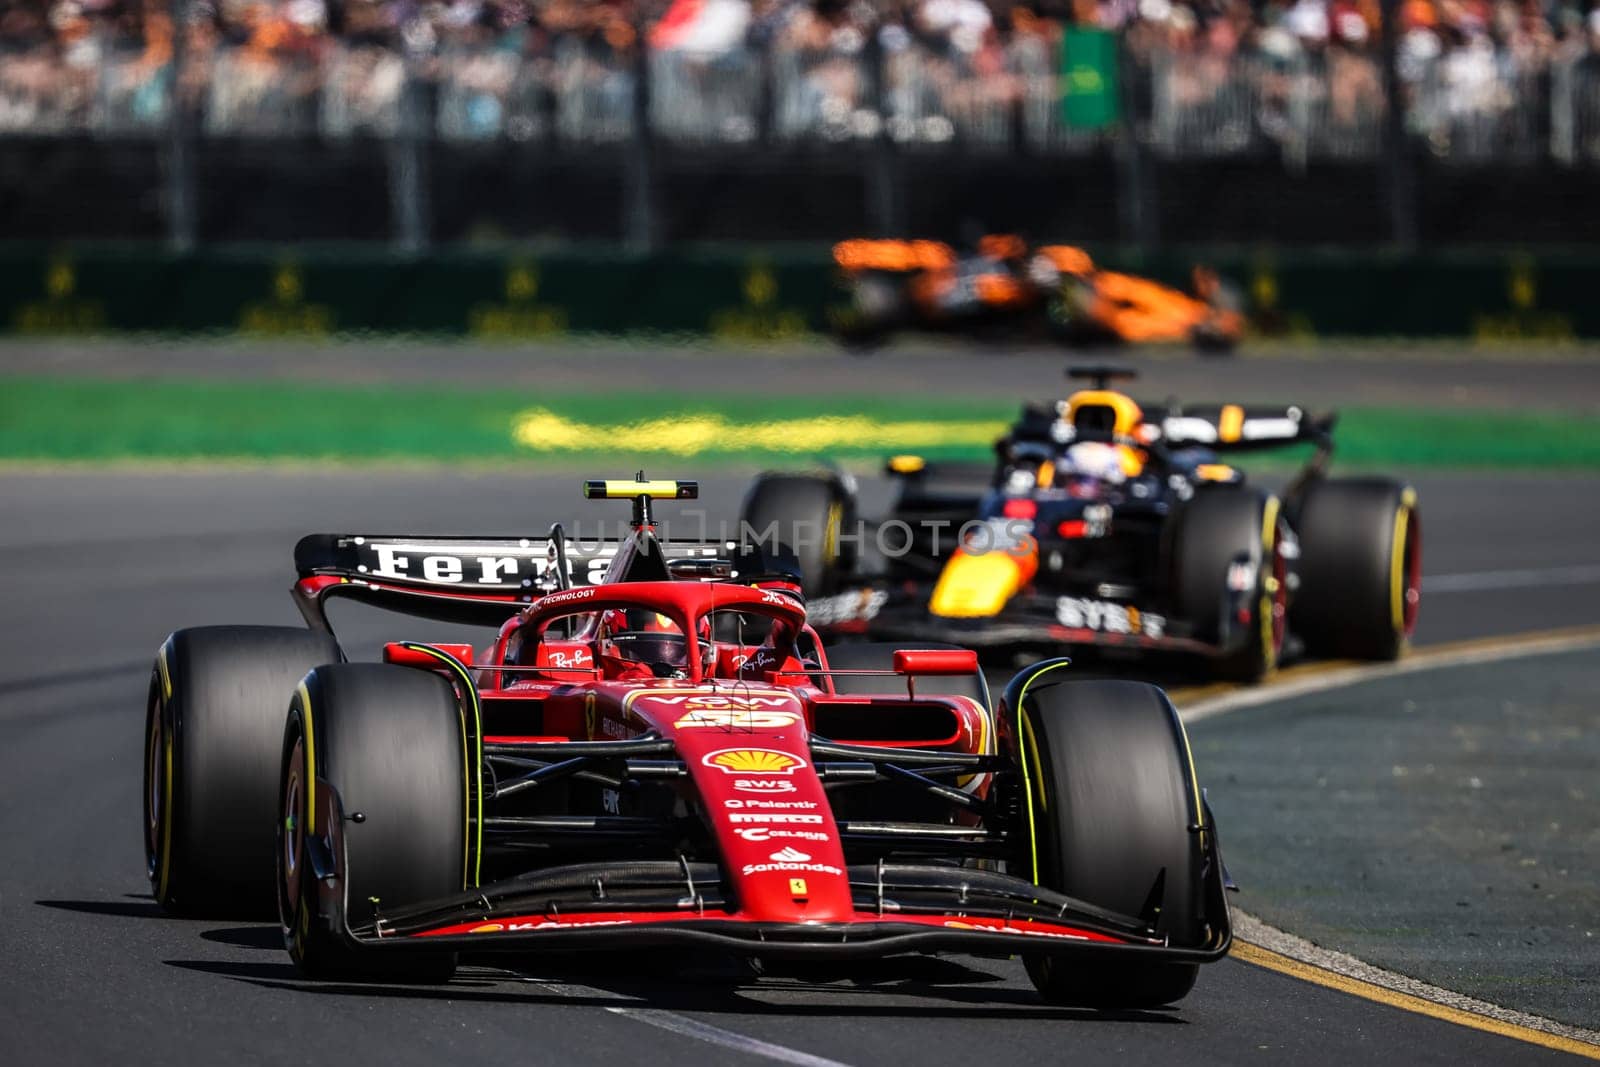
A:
(639, 635)
(1085, 467)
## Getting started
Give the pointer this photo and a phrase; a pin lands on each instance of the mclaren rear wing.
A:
(478, 581)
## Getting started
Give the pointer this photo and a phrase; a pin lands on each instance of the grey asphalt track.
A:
(97, 567)
(1564, 379)
(1441, 824)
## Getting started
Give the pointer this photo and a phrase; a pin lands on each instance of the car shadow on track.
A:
(136, 908)
(256, 937)
(874, 989)
(468, 989)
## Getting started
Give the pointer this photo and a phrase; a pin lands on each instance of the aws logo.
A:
(752, 761)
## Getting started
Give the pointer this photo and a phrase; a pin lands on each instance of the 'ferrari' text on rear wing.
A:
(466, 579)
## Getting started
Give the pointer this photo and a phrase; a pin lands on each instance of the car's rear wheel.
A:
(1230, 579)
(213, 725)
(809, 514)
(1360, 568)
(1109, 802)
(379, 788)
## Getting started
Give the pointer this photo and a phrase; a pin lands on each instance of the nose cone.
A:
(748, 753)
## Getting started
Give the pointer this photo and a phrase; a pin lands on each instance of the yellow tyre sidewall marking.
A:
(166, 808)
(311, 758)
(471, 872)
(1025, 730)
(1269, 578)
(1397, 562)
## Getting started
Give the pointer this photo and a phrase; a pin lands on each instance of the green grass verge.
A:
(69, 420)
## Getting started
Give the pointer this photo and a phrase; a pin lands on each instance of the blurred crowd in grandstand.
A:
(1478, 77)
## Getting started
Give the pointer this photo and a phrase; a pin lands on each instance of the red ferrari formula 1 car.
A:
(667, 758)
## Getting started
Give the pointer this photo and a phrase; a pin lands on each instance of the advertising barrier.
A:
(731, 293)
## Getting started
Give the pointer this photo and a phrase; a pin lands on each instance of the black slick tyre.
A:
(380, 788)
(1230, 578)
(213, 730)
(808, 514)
(1360, 568)
(1109, 803)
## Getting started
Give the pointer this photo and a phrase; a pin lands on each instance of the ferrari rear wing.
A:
(473, 580)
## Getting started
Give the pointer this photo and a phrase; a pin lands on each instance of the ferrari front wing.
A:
(899, 908)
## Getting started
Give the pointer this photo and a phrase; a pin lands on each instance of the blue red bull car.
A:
(662, 759)
(1108, 524)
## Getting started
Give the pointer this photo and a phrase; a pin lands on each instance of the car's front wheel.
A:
(1111, 816)
(378, 810)
(1231, 580)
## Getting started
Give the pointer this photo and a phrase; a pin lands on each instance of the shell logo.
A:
(487, 928)
(753, 761)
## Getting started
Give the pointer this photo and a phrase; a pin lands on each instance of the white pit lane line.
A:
(684, 1026)
(1523, 578)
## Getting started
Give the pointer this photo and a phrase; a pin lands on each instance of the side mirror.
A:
(397, 652)
(935, 661)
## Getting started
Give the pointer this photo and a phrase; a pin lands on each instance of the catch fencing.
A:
(880, 103)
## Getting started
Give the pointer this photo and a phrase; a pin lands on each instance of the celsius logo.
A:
(752, 761)
(766, 833)
(789, 855)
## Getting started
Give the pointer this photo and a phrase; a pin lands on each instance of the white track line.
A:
(1252, 930)
(1240, 699)
(1525, 578)
(693, 1028)
(715, 1035)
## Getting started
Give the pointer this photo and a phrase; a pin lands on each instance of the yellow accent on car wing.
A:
(976, 586)
(626, 489)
